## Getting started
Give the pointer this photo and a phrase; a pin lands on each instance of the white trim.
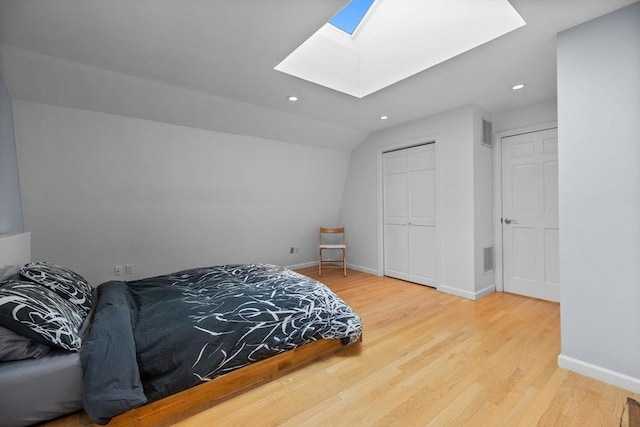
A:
(302, 265)
(380, 200)
(362, 269)
(315, 264)
(380, 211)
(474, 296)
(485, 291)
(497, 191)
(599, 373)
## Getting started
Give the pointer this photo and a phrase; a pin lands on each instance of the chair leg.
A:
(344, 261)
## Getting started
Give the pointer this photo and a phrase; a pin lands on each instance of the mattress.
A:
(35, 390)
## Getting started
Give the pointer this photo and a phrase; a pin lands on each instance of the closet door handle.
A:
(510, 221)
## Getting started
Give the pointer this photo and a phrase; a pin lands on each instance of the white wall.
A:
(534, 114)
(483, 205)
(599, 179)
(455, 133)
(101, 190)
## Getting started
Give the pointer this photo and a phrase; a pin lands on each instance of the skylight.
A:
(397, 40)
(351, 15)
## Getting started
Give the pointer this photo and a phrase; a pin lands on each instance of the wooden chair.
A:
(324, 235)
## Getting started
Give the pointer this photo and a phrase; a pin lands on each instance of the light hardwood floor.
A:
(431, 359)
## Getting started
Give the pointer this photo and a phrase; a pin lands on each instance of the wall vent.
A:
(488, 259)
(487, 131)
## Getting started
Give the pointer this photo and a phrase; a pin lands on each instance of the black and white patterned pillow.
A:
(40, 314)
(66, 283)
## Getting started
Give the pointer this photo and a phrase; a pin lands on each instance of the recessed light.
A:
(518, 86)
(293, 98)
(384, 117)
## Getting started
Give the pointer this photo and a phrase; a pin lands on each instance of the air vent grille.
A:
(487, 131)
(488, 259)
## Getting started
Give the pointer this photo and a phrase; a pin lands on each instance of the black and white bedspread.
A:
(154, 337)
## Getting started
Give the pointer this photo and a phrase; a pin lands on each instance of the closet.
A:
(409, 210)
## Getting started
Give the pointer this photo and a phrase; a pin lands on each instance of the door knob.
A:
(509, 221)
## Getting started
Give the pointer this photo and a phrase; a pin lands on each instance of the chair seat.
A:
(333, 246)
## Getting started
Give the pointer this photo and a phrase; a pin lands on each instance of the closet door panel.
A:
(410, 233)
(422, 257)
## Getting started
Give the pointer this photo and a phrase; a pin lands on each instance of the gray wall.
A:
(599, 179)
(10, 202)
(101, 190)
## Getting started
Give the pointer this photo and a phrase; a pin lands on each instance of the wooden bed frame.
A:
(16, 250)
(189, 402)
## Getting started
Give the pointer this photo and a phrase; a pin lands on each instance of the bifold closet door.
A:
(409, 193)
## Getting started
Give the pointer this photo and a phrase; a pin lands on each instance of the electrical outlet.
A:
(128, 269)
(117, 270)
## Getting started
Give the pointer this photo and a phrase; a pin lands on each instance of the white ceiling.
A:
(210, 64)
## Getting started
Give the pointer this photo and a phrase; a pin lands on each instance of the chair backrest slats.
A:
(331, 230)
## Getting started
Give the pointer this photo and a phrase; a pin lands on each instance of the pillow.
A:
(16, 347)
(66, 283)
(38, 313)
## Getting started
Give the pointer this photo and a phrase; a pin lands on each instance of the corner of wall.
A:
(11, 220)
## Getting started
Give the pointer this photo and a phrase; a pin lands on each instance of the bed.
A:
(164, 344)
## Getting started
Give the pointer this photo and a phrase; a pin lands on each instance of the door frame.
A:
(497, 192)
(430, 139)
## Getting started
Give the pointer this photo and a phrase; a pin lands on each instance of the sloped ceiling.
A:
(209, 64)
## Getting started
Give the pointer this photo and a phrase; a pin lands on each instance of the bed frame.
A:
(189, 402)
(15, 250)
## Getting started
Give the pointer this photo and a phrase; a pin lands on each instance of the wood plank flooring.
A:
(431, 359)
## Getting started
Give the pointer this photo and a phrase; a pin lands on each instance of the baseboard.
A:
(315, 264)
(302, 265)
(599, 373)
(457, 292)
(485, 291)
(362, 269)
(466, 294)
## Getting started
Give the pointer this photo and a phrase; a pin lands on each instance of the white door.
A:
(530, 214)
(409, 193)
